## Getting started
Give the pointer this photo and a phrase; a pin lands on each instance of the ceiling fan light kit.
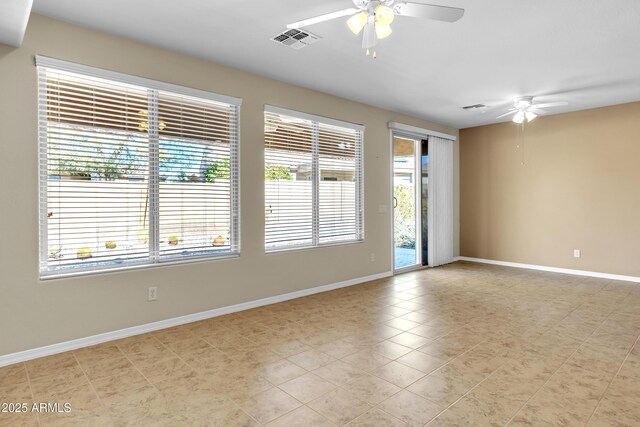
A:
(357, 22)
(530, 115)
(374, 18)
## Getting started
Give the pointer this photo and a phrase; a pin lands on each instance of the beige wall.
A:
(579, 188)
(34, 313)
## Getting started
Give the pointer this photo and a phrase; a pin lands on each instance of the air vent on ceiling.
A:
(295, 39)
(475, 107)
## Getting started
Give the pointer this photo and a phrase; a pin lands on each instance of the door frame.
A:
(412, 132)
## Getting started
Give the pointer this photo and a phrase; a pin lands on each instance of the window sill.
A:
(307, 247)
(70, 273)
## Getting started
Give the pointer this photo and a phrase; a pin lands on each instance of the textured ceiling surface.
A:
(581, 51)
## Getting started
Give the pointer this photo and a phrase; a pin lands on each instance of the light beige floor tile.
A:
(376, 418)
(410, 340)
(421, 361)
(440, 388)
(339, 348)
(269, 405)
(46, 366)
(398, 374)
(301, 417)
(307, 387)
(243, 389)
(372, 389)
(311, 359)
(13, 374)
(339, 372)
(550, 412)
(227, 416)
(145, 350)
(290, 348)
(366, 360)
(390, 349)
(402, 324)
(111, 386)
(63, 379)
(188, 345)
(410, 408)
(16, 392)
(83, 401)
(136, 406)
(339, 406)
(165, 369)
(281, 371)
(614, 412)
(97, 418)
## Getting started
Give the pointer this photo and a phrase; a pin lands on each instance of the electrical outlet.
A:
(152, 293)
(373, 257)
(576, 253)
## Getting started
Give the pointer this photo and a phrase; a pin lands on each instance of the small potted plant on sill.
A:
(173, 239)
(110, 244)
(84, 253)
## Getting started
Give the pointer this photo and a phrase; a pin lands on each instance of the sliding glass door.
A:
(424, 199)
(405, 203)
(410, 178)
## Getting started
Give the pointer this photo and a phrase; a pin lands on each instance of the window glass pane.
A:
(195, 176)
(288, 181)
(338, 204)
(97, 172)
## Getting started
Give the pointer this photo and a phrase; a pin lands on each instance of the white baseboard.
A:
(22, 356)
(552, 269)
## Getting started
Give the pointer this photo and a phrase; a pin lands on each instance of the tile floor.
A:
(463, 344)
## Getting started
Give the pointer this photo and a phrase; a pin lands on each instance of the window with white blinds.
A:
(313, 180)
(133, 172)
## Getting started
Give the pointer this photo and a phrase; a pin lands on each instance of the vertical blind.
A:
(313, 180)
(440, 204)
(132, 171)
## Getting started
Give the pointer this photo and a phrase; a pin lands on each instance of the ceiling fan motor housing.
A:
(523, 102)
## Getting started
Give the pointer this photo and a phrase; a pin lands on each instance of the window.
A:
(313, 180)
(133, 172)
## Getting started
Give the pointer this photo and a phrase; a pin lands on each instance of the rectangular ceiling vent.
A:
(475, 107)
(295, 39)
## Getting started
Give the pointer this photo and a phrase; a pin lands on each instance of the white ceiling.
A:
(14, 15)
(582, 51)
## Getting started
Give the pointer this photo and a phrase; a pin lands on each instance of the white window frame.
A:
(360, 231)
(153, 260)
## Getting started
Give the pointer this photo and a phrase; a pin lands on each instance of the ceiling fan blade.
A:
(506, 114)
(429, 11)
(322, 18)
(551, 104)
(538, 111)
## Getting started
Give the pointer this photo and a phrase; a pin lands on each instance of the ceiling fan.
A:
(524, 108)
(375, 17)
